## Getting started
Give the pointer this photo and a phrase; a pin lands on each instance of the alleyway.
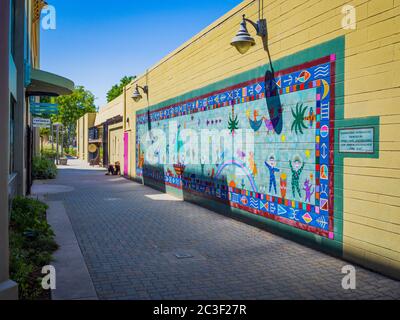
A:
(130, 235)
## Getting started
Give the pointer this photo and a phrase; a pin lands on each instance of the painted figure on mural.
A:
(297, 169)
(271, 165)
(252, 164)
(308, 188)
(283, 185)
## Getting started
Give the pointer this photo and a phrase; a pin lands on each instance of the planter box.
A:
(63, 162)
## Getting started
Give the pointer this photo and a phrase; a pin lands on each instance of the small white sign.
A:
(356, 140)
(41, 123)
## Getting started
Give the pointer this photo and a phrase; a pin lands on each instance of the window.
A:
(12, 136)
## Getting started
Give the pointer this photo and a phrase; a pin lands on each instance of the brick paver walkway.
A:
(129, 235)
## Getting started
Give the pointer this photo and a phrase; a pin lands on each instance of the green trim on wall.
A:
(337, 47)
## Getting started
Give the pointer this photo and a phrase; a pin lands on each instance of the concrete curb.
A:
(73, 281)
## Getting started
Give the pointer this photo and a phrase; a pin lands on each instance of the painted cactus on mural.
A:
(282, 176)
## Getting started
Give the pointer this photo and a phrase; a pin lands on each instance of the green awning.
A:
(44, 83)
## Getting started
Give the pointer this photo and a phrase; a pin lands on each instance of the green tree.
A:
(71, 108)
(117, 89)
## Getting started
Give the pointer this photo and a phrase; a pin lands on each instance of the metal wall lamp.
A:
(136, 96)
(243, 41)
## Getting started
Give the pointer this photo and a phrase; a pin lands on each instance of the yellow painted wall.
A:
(110, 110)
(116, 144)
(83, 124)
(372, 88)
(79, 138)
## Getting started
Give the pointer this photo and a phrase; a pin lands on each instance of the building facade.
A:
(84, 124)
(301, 130)
(105, 131)
(21, 81)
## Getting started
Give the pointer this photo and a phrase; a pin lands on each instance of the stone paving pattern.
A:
(129, 235)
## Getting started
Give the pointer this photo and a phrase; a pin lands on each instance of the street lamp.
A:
(243, 41)
(136, 96)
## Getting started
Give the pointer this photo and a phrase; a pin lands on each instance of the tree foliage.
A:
(74, 106)
(70, 109)
(117, 89)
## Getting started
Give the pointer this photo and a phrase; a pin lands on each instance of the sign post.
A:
(58, 125)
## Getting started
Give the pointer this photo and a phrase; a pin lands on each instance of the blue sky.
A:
(97, 42)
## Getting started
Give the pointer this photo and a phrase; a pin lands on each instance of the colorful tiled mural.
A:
(285, 176)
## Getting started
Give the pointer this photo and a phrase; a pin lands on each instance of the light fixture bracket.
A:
(144, 88)
(260, 26)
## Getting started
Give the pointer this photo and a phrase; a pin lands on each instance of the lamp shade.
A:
(243, 41)
(136, 96)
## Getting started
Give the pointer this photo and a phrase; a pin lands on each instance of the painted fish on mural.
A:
(303, 76)
(311, 118)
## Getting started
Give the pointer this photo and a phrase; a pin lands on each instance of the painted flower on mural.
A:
(299, 118)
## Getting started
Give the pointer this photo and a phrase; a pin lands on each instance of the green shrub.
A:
(43, 168)
(70, 151)
(31, 245)
(28, 214)
(49, 154)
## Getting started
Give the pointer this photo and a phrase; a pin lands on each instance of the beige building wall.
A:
(83, 125)
(116, 144)
(110, 110)
(79, 138)
(371, 187)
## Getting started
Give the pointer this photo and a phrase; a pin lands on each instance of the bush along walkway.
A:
(43, 168)
(31, 247)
